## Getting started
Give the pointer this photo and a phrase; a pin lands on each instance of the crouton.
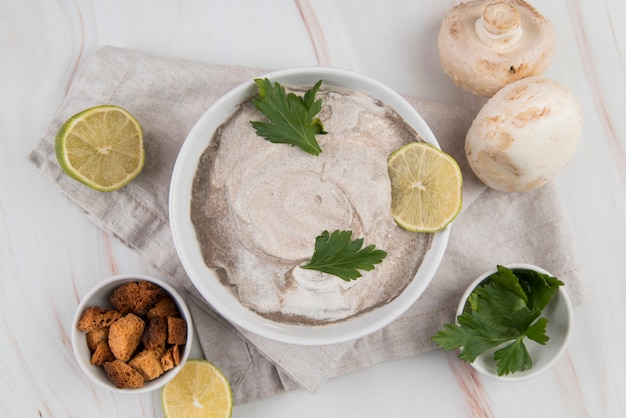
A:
(122, 375)
(148, 363)
(136, 297)
(125, 336)
(156, 333)
(164, 307)
(140, 338)
(96, 317)
(171, 358)
(176, 330)
(94, 336)
(102, 354)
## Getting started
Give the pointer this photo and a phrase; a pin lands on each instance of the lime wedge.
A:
(101, 147)
(198, 390)
(426, 187)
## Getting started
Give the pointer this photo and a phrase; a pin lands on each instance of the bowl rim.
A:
(221, 299)
(81, 352)
(563, 298)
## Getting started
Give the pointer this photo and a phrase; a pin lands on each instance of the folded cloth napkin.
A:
(168, 97)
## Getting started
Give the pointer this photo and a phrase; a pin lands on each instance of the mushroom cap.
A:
(485, 45)
(524, 135)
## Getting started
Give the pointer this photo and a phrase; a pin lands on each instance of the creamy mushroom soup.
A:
(257, 208)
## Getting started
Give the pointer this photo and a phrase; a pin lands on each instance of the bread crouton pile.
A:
(137, 340)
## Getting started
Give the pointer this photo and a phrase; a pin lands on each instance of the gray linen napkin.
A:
(168, 96)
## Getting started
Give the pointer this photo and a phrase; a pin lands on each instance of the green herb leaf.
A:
(506, 307)
(509, 280)
(473, 336)
(521, 319)
(496, 302)
(343, 257)
(537, 331)
(514, 357)
(539, 287)
(292, 118)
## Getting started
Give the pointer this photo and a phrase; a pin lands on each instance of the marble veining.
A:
(318, 40)
(589, 66)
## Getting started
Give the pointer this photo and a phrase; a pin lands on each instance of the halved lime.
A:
(426, 187)
(199, 390)
(101, 147)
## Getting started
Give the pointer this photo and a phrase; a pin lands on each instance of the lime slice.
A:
(425, 187)
(198, 390)
(101, 147)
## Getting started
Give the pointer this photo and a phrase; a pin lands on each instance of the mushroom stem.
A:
(499, 25)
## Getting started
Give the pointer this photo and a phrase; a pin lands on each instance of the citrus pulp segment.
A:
(426, 187)
(198, 390)
(101, 147)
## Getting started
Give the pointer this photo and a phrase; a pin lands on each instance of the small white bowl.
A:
(99, 296)
(560, 323)
(207, 281)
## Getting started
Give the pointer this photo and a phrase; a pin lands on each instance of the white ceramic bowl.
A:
(206, 280)
(99, 296)
(560, 323)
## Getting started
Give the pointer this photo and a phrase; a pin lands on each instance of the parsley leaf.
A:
(495, 302)
(537, 331)
(509, 280)
(514, 357)
(292, 118)
(473, 333)
(539, 287)
(521, 319)
(343, 257)
(506, 308)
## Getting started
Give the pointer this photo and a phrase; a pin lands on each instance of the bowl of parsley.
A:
(512, 323)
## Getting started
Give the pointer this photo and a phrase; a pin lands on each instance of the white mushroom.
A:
(485, 45)
(524, 135)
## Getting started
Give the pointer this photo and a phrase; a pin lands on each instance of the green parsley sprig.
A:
(505, 308)
(292, 118)
(340, 255)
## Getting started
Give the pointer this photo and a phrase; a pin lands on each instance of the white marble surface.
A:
(51, 255)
